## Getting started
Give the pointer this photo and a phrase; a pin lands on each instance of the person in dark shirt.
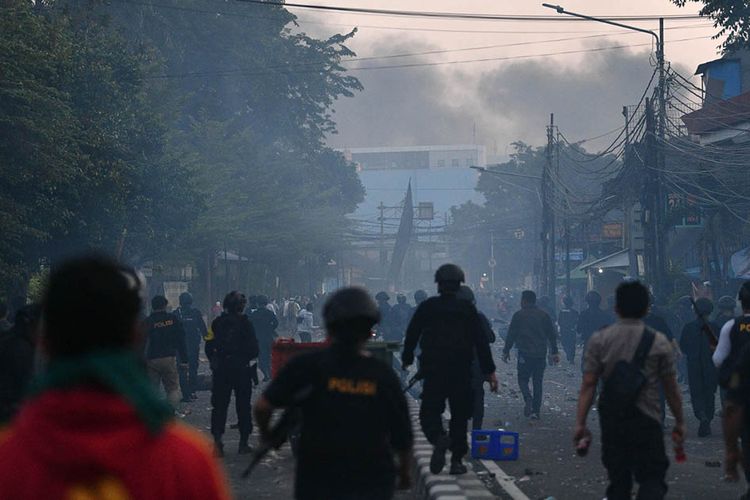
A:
(165, 344)
(401, 314)
(231, 351)
(195, 329)
(264, 323)
(449, 333)
(592, 319)
(384, 327)
(17, 347)
(354, 414)
(533, 331)
(567, 320)
(477, 380)
(703, 378)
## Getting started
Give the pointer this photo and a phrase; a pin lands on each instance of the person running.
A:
(449, 332)
(534, 332)
(93, 426)
(634, 361)
(354, 414)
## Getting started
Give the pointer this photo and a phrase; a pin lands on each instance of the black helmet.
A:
(186, 300)
(465, 293)
(567, 301)
(703, 306)
(727, 303)
(420, 296)
(401, 298)
(235, 302)
(350, 304)
(449, 272)
(382, 297)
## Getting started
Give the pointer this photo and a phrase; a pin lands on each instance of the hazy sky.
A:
(503, 100)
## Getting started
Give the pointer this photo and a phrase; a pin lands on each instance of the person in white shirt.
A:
(305, 326)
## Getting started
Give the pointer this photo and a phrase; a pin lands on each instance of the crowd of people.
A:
(91, 390)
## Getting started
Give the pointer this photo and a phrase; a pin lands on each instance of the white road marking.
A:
(504, 480)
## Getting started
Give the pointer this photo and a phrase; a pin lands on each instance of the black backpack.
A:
(625, 383)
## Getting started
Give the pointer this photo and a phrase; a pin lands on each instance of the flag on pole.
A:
(403, 237)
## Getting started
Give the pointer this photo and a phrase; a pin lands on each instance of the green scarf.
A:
(118, 371)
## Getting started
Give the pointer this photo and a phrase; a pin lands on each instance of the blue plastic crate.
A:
(494, 445)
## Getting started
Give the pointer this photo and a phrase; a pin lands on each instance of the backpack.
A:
(625, 383)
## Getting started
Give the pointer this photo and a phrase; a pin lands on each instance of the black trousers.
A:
(189, 378)
(228, 378)
(531, 368)
(633, 447)
(702, 394)
(453, 386)
(568, 341)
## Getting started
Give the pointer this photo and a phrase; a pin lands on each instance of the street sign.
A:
(492, 262)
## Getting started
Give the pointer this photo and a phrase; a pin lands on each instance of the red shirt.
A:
(83, 443)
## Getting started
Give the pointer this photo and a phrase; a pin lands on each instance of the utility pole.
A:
(383, 256)
(653, 207)
(649, 201)
(493, 263)
(567, 257)
(548, 222)
(659, 208)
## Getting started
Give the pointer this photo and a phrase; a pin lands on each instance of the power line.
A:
(297, 20)
(460, 15)
(291, 68)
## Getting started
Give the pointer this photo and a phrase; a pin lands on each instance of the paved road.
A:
(274, 477)
(548, 466)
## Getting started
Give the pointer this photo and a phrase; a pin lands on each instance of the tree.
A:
(731, 16)
(82, 144)
(254, 99)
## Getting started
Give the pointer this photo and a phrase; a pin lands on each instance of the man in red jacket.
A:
(93, 427)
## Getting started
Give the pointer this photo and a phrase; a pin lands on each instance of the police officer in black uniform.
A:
(195, 329)
(231, 351)
(354, 414)
(449, 332)
(477, 380)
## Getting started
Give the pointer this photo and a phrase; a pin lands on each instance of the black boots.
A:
(437, 462)
(457, 467)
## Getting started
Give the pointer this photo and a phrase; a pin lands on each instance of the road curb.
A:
(443, 486)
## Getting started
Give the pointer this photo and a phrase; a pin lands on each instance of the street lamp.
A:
(656, 202)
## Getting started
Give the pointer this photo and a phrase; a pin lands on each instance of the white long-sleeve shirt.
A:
(307, 321)
(724, 348)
